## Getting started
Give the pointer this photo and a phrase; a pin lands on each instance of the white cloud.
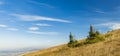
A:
(3, 26)
(33, 28)
(116, 26)
(43, 33)
(12, 29)
(8, 28)
(111, 25)
(39, 24)
(36, 18)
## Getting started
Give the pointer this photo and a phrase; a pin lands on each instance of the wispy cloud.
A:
(42, 24)
(36, 18)
(8, 28)
(113, 13)
(12, 29)
(33, 28)
(43, 33)
(3, 26)
(99, 11)
(111, 25)
(42, 4)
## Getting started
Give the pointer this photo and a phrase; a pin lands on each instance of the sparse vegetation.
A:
(94, 36)
(92, 46)
(72, 42)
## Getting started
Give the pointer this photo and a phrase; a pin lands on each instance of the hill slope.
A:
(109, 47)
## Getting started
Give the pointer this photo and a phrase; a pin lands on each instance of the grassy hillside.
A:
(109, 47)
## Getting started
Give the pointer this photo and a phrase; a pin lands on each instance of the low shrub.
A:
(94, 40)
(73, 44)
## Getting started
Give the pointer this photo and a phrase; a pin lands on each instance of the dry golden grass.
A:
(109, 47)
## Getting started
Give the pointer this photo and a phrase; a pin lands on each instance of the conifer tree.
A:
(91, 29)
(71, 37)
(94, 36)
(72, 42)
(91, 33)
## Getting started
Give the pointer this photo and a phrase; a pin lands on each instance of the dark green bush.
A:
(73, 44)
(94, 40)
(80, 44)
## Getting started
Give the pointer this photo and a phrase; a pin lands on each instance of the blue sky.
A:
(45, 23)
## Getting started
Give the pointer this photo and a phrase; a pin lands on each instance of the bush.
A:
(73, 44)
(94, 40)
(80, 44)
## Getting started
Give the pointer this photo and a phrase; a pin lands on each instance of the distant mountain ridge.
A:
(16, 52)
(109, 47)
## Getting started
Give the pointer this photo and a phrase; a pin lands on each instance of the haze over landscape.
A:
(38, 24)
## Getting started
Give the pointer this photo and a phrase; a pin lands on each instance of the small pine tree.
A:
(72, 42)
(71, 37)
(93, 36)
(91, 29)
(91, 33)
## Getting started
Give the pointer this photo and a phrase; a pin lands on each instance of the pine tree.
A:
(91, 33)
(72, 42)
(71, 37)
(94, 36)
(91, 29)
